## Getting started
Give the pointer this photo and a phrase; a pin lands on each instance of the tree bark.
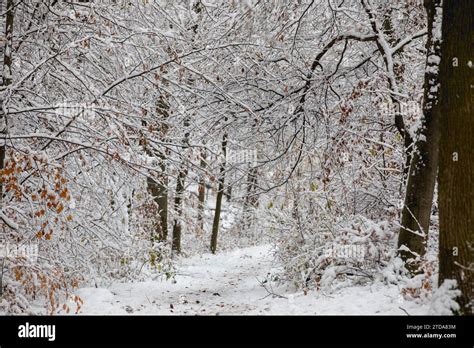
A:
(456, 176)
(177, 228)
(251, 199)
(183, 171)
(178, 199)
(220, 193)
(202, 191)
(421, 182)
(158, 188)
(6, 80)
(159, 191)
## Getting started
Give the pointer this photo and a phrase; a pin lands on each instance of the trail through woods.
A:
(230, 283)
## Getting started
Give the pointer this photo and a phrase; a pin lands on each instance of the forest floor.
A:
(230, 283)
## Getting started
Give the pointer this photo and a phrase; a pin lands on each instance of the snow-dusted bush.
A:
(443, 301)
(84, 225)
(315, 250)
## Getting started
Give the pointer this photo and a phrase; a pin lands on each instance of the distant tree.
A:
(180, 191)
(158, 188)
(220, 194)
(201, 190)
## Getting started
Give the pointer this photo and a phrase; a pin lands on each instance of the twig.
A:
(270, 292)
(404, 311)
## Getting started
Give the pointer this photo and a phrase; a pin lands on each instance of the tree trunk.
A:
(178, 210)
(251, 199)
(202, 191)
(399, 122)
(6, 80)
(456, 176)
(158, 188)
(178, 199)
(228, 193)
(398, 117)
(159, 191)
(220, 193)
(424, 165)
(183, 171)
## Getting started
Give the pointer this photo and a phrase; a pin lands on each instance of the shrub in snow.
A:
(86, 229)
(316, 250)
(12, 300)
(443, 301)
(421, 285)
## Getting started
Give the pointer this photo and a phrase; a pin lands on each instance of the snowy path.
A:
(228, 283)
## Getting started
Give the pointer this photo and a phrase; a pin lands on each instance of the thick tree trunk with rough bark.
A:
(220, 193)
(424, 165)
(456, 175)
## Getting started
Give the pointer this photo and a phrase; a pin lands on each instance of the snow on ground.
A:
(229, 283)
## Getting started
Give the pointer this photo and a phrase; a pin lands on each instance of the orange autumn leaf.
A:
(60, 208)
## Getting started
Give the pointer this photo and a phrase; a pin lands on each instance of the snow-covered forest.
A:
(236, 157)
